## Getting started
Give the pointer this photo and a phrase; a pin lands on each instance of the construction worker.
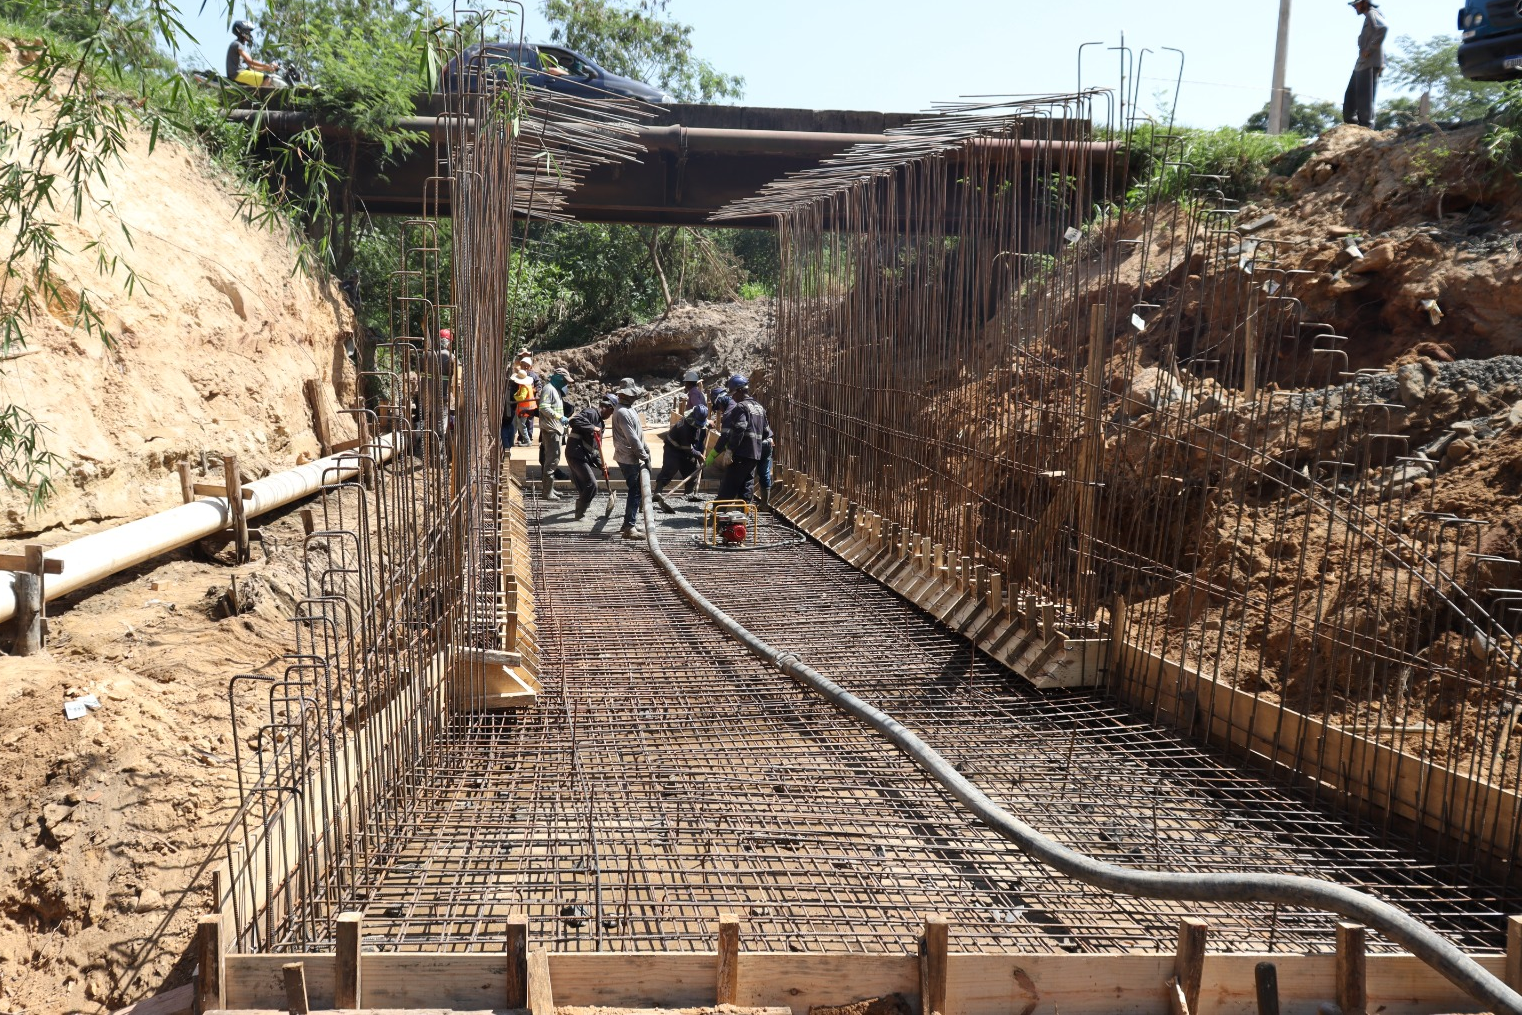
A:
(552, 428)
(631, 454)
(685, 442)
(743, 437)
(583, 452)
(1358, 101)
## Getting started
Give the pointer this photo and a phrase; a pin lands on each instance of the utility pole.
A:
(1278, 101)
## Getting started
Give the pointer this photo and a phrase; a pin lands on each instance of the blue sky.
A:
(902, 56)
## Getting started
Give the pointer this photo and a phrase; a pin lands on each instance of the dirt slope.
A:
(105, 820)
(209, 352)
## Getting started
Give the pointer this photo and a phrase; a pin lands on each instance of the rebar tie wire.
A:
(1282, 889)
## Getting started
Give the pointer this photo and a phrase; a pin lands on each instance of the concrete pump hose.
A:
(1311, 893)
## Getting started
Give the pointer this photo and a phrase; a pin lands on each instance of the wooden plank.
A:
(416, 980)
(1189, 960)
(179, 1001)
(642, 980)
(727, 987)
(1352, 992)
(347, 990)
(218, 490)
(258, 981)
(1056, 984)
(1513, 975)
(23, 562)
(517, 961)
(295, 988)
(187, 485)
(541, 993)
(209, 956)
(801, 981)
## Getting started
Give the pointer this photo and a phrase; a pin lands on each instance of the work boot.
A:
(550, 494)
(582, 503)
(664, 506)
(628, 532)
(764, 498)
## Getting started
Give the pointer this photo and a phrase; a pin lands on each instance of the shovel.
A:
(607, 484)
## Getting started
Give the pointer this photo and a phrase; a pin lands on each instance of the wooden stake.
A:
(187, 485)
(296, 988)
(1352, 981)
(933, 948)
(313, 389)
(1266, 979)
(26, 625)
(541, 996)
(1189, 960)
(234, 486)
(728, 990)
(1514, 952)
(517, 961)
(208, 982)
(346, 986)
(995, 591)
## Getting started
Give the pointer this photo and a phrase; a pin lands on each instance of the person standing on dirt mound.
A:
(1358, 102)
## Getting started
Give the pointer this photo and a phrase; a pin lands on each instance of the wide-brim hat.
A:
(519, 377)
(629, 391)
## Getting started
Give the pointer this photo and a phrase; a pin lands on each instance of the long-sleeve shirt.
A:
(586, 437)
(1371, 41)
(628, 437)
(552, 409)
(745, 428)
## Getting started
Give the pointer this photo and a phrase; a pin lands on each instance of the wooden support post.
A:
(1189, 960)
(234, 486)
(1352, 981)
(517, 961)
(1266, 981)
(1048, 621)
(313, 389)
(367, 465)
(296, 988)
(933, 948)
(995, 591)
(346, 985)
(27, 630)
(964, 575)
(187, 485)
(1250, 347)
(1514, 952)
(541, 995)
(208, 982)
(728, 988)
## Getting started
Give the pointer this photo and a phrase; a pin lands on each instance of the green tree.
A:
(637, 40)
(1307, 119)
(1433, 67)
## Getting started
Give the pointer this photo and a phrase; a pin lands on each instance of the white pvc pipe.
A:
(90, 558)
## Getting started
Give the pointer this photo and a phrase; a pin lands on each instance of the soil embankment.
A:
(106, 819)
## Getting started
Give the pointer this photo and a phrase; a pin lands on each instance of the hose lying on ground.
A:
(1423, 942)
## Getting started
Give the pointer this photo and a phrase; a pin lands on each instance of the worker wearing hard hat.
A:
(743, 438)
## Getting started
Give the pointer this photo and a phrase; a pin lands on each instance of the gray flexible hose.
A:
(1396, 924)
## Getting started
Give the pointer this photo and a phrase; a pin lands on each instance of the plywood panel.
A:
(632, 980)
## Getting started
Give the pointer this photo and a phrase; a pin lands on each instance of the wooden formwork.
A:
(937, 979)
(1022, 633)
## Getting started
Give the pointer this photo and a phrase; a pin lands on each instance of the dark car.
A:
(1492, 46)
(553, 68)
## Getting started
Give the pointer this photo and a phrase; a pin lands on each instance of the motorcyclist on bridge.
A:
(243, 68)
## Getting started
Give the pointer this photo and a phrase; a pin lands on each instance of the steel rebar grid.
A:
(666, 776)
